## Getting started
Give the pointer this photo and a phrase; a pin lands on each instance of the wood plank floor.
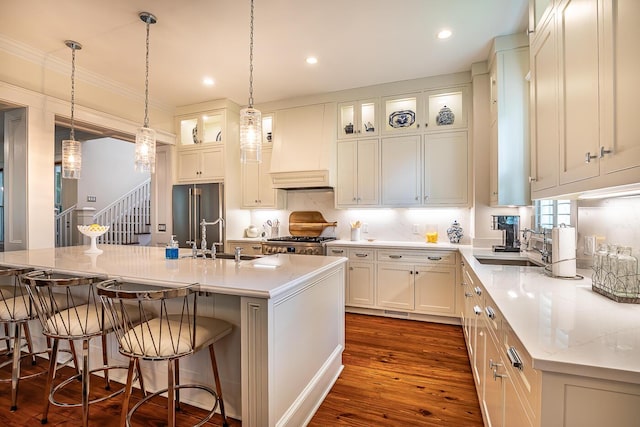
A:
(397, 373)
(402, 373)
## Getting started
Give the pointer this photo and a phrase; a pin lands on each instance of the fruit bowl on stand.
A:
(93, 231)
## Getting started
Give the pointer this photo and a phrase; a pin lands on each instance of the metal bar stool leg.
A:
(85, 382)
(27, 337)
(127, 392)
(140, 379)
(50, 375)
(15, 371)
(7, 339)
(105, 362)
(177, 372)
(216, 376)
(171, 389)
(74, 356)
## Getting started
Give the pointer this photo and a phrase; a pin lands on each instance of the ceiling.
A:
(357, 42)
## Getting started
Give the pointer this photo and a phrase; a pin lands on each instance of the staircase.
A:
(65, 227)
(128, 218)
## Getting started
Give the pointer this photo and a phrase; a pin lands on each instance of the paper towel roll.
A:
(563, 255)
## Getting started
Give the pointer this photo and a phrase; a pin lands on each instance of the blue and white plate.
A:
(402, 119)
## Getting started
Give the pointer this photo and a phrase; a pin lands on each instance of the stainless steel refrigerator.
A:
(191, 204)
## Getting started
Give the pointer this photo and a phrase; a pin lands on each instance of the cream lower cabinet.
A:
(407, 281)
(360, 285)
(248, 248)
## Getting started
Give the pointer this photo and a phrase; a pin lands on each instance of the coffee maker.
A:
(510, 225)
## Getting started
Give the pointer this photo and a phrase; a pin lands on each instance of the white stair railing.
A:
(126, 217)
(65, 227)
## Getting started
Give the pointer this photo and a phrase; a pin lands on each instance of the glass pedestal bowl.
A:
(93, 231)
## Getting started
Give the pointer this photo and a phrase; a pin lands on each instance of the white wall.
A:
(107, 171)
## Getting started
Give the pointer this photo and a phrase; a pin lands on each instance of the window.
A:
(552, 213)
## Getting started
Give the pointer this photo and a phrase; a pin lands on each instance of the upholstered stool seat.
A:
(170, 329)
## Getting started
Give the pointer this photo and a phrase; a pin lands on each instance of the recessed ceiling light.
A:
(444, 34)
(312, 60)
(207, 81)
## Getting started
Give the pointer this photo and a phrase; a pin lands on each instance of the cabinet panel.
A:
(621, 60)
(446, 166)
(257, 189)
(395, 286)
(358, 173)
(435, 289)
(212, 165)
(578, 89)
(401, 172)
(347, 188)
(360, 284)
(544, 118)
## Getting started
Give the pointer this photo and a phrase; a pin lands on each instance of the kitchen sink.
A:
(509, 261)
(243, 257)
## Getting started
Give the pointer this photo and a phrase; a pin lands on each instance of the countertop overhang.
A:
(266, 277)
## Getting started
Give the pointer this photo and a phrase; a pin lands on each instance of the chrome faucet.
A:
(238, 253)
(203, 225)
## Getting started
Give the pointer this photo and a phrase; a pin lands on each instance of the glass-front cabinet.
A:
(401, 114)
(358, 119)
(202, 129)
(445, 109)
(267, 129)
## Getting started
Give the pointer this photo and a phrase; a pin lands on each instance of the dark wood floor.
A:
(397, 373)
(402, 373)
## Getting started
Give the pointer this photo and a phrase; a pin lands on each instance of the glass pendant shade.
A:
(145, 160)
(71, 159)
(250, 135)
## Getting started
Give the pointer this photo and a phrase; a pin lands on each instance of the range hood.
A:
(304, 147)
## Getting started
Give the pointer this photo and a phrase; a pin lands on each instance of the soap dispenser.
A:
(171, 251)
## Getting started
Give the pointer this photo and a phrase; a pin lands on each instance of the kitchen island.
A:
(286, 351)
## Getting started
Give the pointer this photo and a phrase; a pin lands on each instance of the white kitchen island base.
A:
(289, 310)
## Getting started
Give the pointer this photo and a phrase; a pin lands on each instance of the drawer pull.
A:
(337, 251)
(395, 256)
(362, 255)
(256, 247)
(478, 290)
(434, 258)
(496, 375)
(468, 294)
(490, 313)
(477, 310)
(514, 358)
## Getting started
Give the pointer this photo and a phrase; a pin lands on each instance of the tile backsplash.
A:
(404, 224)
(615, 221)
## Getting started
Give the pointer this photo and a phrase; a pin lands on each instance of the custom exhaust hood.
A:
(304, 147)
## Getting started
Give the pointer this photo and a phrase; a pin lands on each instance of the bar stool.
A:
(162, 336)
(82, 320)
(15, 312)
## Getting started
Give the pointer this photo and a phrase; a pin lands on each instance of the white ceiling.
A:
(357, 42)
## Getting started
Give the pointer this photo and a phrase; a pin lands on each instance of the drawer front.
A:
(422, 257)
(337, 251)
(494, 317)
(361, 255)
(525, 378)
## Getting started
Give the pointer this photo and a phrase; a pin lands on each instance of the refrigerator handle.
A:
(190, 213)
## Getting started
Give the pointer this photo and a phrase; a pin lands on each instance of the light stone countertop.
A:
(265, 277)
(563, 324)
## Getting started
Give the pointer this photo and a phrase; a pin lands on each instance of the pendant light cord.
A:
(146, 81)
(251, 59)
(73, 91)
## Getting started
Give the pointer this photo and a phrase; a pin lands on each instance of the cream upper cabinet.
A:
(544, 115)
(401, 113)
(509, 156)
(539, 13)
(201, 165)
(578, 90)
(358, 119)
(257, 189)
(620, 147)
(446, 109)
(446, 165)
(358, 173)
(401, 171)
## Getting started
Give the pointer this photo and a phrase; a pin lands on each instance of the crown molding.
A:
(52, 63)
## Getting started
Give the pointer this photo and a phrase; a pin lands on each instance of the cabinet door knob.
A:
(588, 157)
(532, 179)
(603, 152)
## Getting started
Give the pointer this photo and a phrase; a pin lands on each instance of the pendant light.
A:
(145, 160)
(250, 118)
(71, 150)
